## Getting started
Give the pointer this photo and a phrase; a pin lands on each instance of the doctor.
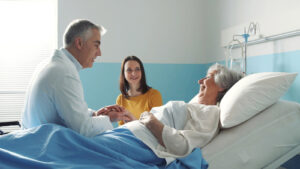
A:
(55, 94)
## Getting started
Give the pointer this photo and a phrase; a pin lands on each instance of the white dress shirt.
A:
(55, 95)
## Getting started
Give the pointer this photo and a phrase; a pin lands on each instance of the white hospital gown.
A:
(187, 126)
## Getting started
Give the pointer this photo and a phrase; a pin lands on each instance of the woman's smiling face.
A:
(132, 72)
(208, 88)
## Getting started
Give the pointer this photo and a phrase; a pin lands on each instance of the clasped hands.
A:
(118, 113)
(115, 113)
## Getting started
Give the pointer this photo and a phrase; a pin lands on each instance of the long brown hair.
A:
(124, 85)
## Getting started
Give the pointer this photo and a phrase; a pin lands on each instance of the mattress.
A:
(265, 141)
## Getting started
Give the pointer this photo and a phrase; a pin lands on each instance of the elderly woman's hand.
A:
(146, 118)
(154, 125)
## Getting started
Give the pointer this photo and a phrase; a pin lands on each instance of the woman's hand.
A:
(127, 117)
(154, 125)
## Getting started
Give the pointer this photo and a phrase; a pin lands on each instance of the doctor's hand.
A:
(107, 109)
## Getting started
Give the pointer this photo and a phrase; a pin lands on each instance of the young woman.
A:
(136, 96)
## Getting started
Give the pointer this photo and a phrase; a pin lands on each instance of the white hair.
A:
(80, 28)
(224, 78)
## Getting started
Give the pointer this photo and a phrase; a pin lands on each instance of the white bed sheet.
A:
(260, 142)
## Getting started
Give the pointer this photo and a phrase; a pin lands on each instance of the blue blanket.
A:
(53, 146)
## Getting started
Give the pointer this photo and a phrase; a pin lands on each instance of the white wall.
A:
(168, 31)
(177, 31)
(273, 16)
(212, 22)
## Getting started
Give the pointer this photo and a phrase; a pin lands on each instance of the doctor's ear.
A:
(78, 43)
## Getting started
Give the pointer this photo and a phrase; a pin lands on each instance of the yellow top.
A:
(138, 104)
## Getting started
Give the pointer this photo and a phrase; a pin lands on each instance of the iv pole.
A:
(246, 36)
(251, 30)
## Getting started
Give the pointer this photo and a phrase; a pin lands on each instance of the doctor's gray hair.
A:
(224, 78)
(82, 29)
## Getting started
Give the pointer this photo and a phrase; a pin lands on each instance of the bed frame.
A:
(266, 141)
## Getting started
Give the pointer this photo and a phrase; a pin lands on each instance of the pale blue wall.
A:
(179, 81)
(174, 81)
(281, 62)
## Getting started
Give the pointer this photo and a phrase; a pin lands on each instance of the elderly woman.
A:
(175, 130)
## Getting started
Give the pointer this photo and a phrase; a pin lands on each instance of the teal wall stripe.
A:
(100, 84)
(174, 81)
(281, 62)
(179, 81)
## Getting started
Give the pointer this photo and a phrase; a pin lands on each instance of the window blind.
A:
(28, 36)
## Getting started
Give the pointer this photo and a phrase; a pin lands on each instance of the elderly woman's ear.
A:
(221, 89)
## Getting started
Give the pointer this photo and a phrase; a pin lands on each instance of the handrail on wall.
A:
(269, 38)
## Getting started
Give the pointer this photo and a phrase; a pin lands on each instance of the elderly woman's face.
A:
(208, 89)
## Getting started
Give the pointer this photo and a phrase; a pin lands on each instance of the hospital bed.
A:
(265, 141)
(8, 123)
(265, 133)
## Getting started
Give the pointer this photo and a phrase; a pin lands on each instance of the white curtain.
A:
(28, 34)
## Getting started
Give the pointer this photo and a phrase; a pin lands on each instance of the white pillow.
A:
(253, 94)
